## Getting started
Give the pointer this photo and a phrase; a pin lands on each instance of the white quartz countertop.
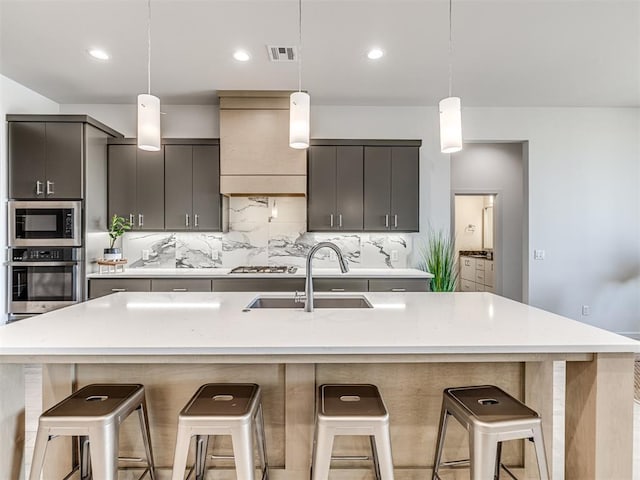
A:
(213, 323)
(300, 272)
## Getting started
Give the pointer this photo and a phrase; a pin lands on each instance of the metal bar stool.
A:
(94, 414)
(491, 416)
(351, 410)
(222, 409)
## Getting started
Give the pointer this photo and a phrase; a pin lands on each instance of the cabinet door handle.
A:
(132, 220)
(398, 289)
(118, 289)
(195, 220)
(180, 290)
(337, 289)
(340, 220)
(39, 187)
(386, 221)
(395, 221)
(140, 220)
(186, 220)
(50, 186)
(331, 219)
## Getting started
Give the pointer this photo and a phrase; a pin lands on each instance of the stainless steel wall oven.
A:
(42, 279)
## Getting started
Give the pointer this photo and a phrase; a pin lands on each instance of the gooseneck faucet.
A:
(308, 286)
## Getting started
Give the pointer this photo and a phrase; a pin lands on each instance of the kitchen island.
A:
(411, 345)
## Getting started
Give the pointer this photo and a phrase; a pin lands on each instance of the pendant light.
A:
(299, 102)
(148, 105)
(450, 116)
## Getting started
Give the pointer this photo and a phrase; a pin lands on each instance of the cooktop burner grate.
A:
(264, 269)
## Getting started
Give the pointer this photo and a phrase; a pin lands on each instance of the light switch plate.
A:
(538, 254)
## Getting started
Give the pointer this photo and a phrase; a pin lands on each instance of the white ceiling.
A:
(506, 52)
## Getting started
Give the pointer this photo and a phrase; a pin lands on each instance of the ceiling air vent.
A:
(282, 54)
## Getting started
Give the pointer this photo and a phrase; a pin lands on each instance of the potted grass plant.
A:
(116, 229)
(438, 257)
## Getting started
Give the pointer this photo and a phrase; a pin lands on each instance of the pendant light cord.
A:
(299, 45)
(450, 50)
(149, 47)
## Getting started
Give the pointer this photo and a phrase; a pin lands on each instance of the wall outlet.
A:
(215, 254)
(538, 254)
(145, 254)
(332, 255)
(394, 255)
(586, 310)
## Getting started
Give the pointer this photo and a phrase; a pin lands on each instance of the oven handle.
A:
(43, 264)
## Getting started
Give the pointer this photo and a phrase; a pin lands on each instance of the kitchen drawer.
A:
(101, 287)
(467, 286)
(340, 285)
(258, 284)
(480, 276)
(399, 285)
(479, 264)
(180, 285)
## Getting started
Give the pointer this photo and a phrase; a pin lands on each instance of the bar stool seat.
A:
(94, 414)
(222, 409)
(351, 410)
(491, 416)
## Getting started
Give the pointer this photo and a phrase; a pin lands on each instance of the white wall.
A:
(14, 98)
(584, 172)
(178, 121)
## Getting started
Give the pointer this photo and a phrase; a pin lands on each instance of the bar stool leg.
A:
(538, 442)
(42, 439)
(202, 445)
(146, 437)
(496, 475)
(483, 450)
(374, 457)
(103, 446)
(262, 446)
(242, 440)
(181, 452)
(442, 431)
(321, 461)
(383, 450)
(85, 459)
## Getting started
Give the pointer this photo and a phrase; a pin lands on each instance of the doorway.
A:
(474, 237)
(498, 170)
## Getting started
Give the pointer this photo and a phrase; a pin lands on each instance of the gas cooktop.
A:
(264, 269)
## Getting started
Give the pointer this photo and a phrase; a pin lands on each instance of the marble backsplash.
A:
(258, 237)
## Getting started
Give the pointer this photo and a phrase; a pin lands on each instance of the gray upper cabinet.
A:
(136, 186)
(335, 188)
(45, 160)
(192, 187)
(391, 188)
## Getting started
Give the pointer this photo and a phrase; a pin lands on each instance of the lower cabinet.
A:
(477, 275)
(181, 285)
(258, 284)
(101, 287)
(340, 285)
(399, 285)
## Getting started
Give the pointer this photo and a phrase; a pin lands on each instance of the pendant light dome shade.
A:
(299, 106)
(450, 125)
(148, 122)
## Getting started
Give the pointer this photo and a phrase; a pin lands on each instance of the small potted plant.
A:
(440, 259)
(118, 226)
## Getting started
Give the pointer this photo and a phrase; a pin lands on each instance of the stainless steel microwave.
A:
(45, 223)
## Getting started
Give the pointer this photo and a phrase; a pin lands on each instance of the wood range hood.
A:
(255, 156)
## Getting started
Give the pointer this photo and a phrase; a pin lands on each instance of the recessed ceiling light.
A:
(375, 54)
(99, 54)
(241, 55)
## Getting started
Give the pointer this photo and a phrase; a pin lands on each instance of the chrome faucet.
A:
(308, 285)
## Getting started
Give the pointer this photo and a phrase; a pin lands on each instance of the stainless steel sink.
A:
(354, 301)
